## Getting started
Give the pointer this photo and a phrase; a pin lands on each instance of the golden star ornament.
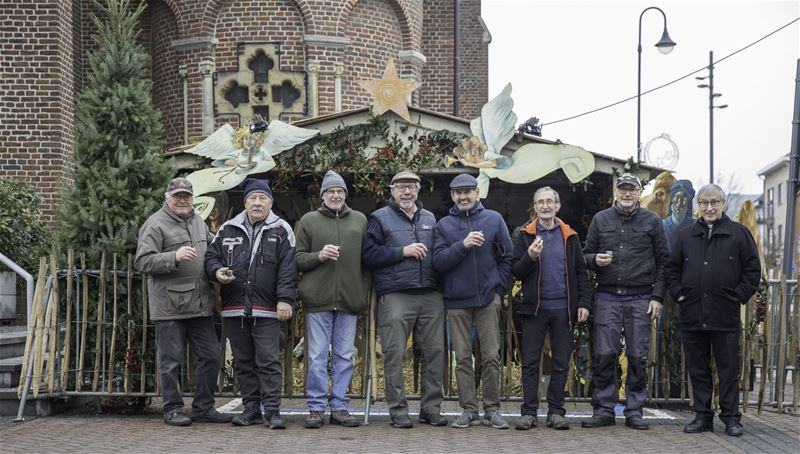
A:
(390, 92)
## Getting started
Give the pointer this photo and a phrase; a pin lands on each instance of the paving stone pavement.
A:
(86, 431)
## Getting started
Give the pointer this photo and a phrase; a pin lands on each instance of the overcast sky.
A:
(567, 57)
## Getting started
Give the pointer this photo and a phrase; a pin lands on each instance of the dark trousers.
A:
(170, 338)
(256, 343)
(698, 346)
(534, 328)
(610, 317)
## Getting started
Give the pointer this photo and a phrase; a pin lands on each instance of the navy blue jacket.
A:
(389, 230)
(471, 277)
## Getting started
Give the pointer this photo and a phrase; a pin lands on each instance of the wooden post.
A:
(39, 342)
(68, 320)
(796, 347)
(101, 299)
(84, 322)
(29, 344)
(112, 350)
(767, 334)
(779, 371)
(142, 374)
(52, 328)
(126, 385)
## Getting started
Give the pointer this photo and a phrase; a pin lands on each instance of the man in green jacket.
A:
(171, 246)
(333, 293)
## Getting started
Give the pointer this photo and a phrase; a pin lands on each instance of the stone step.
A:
(10, 371)
(12, 342)
(42, 406)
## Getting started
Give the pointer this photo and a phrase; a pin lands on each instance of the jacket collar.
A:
(626, 214)
(721, 227)
(477, 208)
(332, 214)
(175, 216)
(393, 205)
(566, 230)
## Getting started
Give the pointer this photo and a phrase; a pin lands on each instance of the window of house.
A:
(780, 194)
(770, 202)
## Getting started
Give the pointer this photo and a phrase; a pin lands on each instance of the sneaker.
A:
(636, 422)
(495, 419)
(599, 421)
(343, 418)
(212, 416)
(557, 422)
(272, 418)
(176, 418)
(467, 418)
(525, 422)
(250, 415)
(401, 421)
(434, 419)
(315, 420)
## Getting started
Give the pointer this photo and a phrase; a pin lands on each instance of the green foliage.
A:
(120, 174)
(22, 235)
(346, 150)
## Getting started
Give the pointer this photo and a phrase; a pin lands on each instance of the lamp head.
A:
(666, 44)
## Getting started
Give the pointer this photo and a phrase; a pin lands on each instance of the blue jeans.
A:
(324, 329)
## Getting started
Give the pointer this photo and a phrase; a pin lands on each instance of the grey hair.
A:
(710, 187)
(546, 188)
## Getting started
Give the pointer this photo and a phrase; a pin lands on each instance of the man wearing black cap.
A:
(397, 248)
(473, 252)
(252, 256)
(627, 248)
(170, 248)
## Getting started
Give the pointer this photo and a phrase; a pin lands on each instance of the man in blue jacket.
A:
(473, 252)
(396, 247)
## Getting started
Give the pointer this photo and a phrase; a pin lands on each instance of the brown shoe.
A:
(343, 418)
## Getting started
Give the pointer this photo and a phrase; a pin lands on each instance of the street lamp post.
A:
(665, 46)
(711, 107)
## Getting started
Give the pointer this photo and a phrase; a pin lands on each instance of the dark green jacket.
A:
(334, 284)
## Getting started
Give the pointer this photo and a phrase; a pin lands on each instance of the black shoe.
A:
(636, 422)
(177, 418)
(343, 418)
(733, 429)
(250, 415)
(599, 421)
(212, 416)
(526, 422)
(434, 419)
(402, 422)
(315, 420)
(699, 425)
(273, 420)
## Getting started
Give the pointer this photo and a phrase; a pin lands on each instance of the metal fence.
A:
(89, 334)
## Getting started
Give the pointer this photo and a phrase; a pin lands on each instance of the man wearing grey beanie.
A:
(333, 291)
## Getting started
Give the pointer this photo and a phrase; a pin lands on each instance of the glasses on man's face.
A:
(339, 192)
(401, 188)
(548, 202)
(709, 203)
(628, 190)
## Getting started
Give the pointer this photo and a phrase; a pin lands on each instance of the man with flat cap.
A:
(170, 250)
(473, 252)
(397, 247)
(252, 256)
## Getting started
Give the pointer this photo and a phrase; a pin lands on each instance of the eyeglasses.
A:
(401, 188)
(548, 202)
(336, 191)
(628, 190)
(709, 203)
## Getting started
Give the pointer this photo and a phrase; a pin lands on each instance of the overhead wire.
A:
(673, 81)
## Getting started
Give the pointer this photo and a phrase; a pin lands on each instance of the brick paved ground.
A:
(85, 431)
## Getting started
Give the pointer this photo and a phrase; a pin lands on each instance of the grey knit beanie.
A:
(332, 180)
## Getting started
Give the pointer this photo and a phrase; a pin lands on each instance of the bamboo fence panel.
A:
(42, 317)
(68, 320)
(32, 329)
(766, 335)
(143, 370)
(796, 349)
(779, 372)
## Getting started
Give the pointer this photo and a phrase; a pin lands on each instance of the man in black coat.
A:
(712, 270)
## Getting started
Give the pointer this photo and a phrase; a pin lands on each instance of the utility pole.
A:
(711, 107)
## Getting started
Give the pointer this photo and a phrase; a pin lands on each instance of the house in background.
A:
(773, 211)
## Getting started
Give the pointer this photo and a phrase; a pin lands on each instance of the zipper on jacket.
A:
(416, 238)
(336, 262)
(475, 263)
(566, 277)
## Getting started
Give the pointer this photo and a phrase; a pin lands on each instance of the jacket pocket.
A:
(179, 297)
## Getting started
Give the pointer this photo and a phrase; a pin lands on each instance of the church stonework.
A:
(255, 55)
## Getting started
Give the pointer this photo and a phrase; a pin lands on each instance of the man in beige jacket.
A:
(172, 244)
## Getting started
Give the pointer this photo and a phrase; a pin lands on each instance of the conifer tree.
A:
(120, 175)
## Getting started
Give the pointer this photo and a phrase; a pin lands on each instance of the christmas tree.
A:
(120, 175)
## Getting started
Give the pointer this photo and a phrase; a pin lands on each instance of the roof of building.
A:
(774, 165)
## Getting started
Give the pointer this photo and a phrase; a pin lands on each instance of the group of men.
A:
(425, 272)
